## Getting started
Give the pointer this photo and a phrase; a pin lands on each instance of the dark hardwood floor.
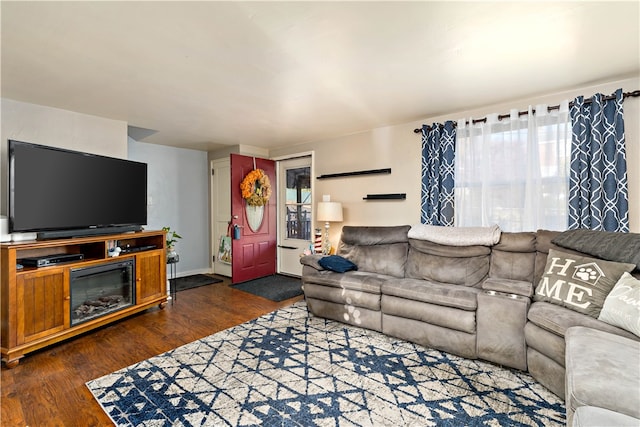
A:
(47, 388)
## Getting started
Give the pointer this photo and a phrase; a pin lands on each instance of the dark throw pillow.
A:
(577, 282)
(337, 263)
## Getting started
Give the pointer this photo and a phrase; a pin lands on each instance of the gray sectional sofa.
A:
(471, 298)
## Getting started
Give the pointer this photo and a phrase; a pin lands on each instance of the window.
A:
(514, 172)
(298, 203)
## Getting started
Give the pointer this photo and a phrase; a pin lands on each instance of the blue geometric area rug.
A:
(289, 369)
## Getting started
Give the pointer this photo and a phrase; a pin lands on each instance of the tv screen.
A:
(56, 189)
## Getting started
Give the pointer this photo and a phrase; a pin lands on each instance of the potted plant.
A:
(172, 239)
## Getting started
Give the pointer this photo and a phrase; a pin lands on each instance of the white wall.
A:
(178, 189)
(399, 148)
(58, 128)
(395, 147)
(178, 178)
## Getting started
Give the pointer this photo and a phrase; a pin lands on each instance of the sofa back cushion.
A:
(381, 250)
(608, 245)
(457, 265)
(544, 243)
(514, 257)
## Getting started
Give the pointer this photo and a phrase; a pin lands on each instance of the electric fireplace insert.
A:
(102, 289)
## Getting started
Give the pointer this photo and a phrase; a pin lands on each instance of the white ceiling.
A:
(269, 74)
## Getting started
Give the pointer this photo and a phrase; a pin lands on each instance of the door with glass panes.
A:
(295, 227)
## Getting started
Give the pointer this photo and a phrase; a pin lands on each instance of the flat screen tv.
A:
(64, 193)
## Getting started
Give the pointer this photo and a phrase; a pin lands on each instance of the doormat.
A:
(276, 287)
(194, 281)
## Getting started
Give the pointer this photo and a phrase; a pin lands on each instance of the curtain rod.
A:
(550, 108)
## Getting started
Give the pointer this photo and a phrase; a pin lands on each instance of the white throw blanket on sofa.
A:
(456, 236)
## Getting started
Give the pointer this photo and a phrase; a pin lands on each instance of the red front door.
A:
(254, 253)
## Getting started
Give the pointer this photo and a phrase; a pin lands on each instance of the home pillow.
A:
(577, 282)
(622, 306)
(337, 263)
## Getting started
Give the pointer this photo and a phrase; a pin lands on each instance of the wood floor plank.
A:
(47, 388)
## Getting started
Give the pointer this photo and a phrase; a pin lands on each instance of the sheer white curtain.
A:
(514, 171)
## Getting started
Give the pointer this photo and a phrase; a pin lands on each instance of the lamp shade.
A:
(329, 212)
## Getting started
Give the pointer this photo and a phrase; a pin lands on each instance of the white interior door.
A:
(295, 227)
(220, 211)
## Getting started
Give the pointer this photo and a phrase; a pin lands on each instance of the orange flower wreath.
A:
(256, 188)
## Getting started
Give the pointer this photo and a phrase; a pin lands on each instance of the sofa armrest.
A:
(508, 286)
(312, 261)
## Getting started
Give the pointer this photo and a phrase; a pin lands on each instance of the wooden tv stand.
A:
(35, 301)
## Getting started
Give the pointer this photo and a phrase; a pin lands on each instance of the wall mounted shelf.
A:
(391, 196)
(356, 173)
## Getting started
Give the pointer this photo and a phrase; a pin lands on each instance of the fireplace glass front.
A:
(102, 289)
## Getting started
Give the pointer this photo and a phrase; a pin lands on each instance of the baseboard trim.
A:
(192, 272)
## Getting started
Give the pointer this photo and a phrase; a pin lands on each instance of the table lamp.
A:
(328, 212)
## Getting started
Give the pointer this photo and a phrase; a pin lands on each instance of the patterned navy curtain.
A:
(438, 152)
(598, 194)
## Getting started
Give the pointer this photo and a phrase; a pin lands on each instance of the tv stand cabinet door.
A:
(150, 276)
(43, 304)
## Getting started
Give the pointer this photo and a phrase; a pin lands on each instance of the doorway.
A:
(253, 247)
(220, 215)
(295, 225)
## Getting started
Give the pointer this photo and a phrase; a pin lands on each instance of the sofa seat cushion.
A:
(603, 370)
(459, 297)
(546, 371)
(360, 315)
(546, 343)
(431, 336)
(353, 280)
(346, 298)
(556, 319)
(591, 416)
(434, 314)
